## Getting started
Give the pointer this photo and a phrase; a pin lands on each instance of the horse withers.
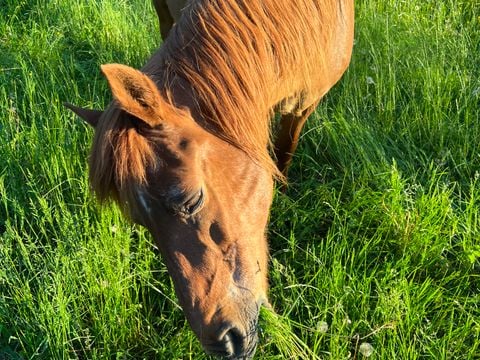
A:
(185, 146)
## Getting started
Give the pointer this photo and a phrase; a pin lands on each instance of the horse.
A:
(187, 148)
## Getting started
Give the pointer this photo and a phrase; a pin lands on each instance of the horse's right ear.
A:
(90, 116)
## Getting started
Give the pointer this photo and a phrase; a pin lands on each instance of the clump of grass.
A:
(279, 331)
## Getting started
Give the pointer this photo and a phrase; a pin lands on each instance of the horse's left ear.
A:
(135, 92)
(90, 116)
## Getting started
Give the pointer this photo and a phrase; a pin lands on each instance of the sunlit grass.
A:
(374, 247)
(277, 332)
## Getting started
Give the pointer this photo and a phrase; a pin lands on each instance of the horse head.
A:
(205, 201)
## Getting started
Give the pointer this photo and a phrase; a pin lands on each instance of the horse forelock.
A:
(120, 155)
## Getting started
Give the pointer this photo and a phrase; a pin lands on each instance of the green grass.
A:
(377, 240)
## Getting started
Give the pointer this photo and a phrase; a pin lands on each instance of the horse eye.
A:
(193, 204)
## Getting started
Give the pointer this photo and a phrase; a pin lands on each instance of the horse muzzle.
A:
(233, 343)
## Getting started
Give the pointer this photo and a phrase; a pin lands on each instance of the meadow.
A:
(375, 246)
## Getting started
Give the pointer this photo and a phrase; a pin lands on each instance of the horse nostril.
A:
(234, 342)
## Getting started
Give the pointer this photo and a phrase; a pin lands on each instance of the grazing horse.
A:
(185, 146)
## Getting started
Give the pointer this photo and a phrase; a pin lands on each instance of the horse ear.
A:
(136, 93)
(90, 116)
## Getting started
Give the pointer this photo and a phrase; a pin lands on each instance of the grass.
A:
(375, 242)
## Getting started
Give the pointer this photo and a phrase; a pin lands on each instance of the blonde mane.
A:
(241, 59)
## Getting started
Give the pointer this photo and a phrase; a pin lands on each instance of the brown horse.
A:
(185, 146)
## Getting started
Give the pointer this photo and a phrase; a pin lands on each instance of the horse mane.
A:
(241, 58)
(235, 54)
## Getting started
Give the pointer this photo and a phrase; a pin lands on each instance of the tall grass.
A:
(375, 245)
